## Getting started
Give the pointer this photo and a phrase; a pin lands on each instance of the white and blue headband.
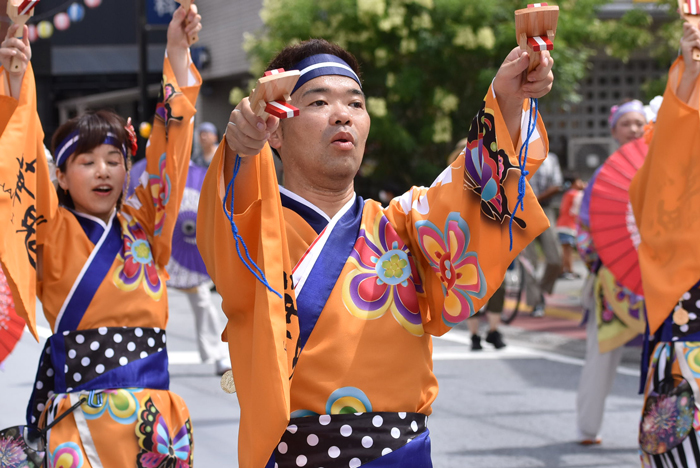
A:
(70, 144)
(320, 65)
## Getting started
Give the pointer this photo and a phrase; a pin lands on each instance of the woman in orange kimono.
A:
(665, 197)
(102, 384)
(332, 358)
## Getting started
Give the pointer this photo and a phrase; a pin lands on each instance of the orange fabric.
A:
(150, 213)
(262, 353)
(21, 157)
(665, 196)
(368, 362)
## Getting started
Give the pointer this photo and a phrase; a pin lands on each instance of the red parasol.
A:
(11, 325)
(613, 227)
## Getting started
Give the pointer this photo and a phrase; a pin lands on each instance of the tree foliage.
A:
(426, 64)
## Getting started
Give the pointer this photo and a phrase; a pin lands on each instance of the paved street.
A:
(513, 408)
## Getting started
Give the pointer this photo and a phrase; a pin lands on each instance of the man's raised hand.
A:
(246, 133)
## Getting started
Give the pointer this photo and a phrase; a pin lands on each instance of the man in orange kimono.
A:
(331, 299)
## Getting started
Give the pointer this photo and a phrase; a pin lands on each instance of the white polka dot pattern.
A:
(92, 353)
(346, 440)
(690, 301)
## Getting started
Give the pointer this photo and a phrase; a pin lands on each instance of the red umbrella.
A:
(613, 227)
(11, 325)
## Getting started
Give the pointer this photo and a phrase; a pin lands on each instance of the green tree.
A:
(426, 64)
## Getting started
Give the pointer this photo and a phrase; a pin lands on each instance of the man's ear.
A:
(276, 137)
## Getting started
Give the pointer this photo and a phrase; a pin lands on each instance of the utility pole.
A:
(142, 40)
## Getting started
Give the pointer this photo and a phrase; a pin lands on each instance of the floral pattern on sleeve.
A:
(160, 191)
(458, 269)
(385, 277)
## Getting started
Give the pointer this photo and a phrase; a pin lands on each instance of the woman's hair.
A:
(92, 128)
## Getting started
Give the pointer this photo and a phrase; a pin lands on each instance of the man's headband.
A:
(618, 111)
(320, 65)
(70, 144)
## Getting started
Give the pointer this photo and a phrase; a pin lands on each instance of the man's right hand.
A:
(246, 133)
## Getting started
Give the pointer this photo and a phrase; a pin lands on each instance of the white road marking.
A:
(440, 353)
(510, 352)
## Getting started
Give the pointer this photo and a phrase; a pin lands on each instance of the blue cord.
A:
(522, 160)
(255, 270)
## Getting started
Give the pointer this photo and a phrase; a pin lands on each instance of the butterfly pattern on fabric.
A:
(486, 167)
(164, 110)
(158, 448)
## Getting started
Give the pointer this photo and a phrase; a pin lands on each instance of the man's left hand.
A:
(510, 87)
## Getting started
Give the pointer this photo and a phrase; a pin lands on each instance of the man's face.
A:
(207, 139)
(326, 142)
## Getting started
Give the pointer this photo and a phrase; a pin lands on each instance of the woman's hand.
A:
(15, 48)
(689, 42)
(511, 89)
(182, 26)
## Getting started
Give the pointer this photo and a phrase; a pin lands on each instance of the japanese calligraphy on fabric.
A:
(24, 218)
(22, 162)
(486, 167)
(292, 320)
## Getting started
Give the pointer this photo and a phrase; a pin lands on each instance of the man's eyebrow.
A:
(315, 90)
(354, 91)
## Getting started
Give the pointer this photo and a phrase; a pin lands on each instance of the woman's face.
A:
(95, 180)
(629, 127)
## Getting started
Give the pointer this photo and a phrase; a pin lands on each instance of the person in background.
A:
(208, 139)
(207, 319)
(627, 122)
(492, 311)
(567, 224)
(546, 183)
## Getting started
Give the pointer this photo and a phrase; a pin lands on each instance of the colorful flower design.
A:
(160, 192)
(158, 448)
(138, 264)
(121, 404)
(486, 167)
(12, 453)
(385, 278)
(66, 455)
(457, 268)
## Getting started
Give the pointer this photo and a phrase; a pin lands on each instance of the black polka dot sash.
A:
(78, 359)
(346, 440)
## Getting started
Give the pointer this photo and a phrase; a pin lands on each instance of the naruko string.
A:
(522, 161)
(247, 261)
